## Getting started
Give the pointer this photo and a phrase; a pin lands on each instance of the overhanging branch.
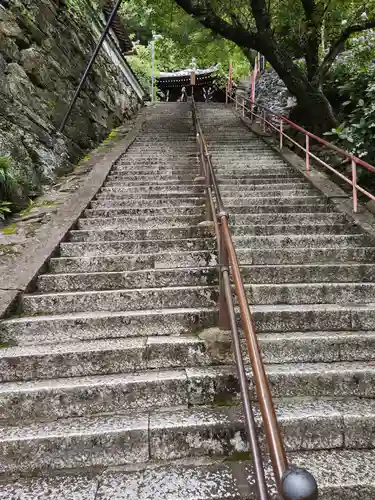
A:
(339, 45)
(207, 17)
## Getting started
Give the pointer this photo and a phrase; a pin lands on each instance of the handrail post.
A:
(89, 66)
(264, 121)
(243, 107)
(354, 182)
(307, 153)
(224, 320)
(236, 102)
(226, 97)
(281, 133)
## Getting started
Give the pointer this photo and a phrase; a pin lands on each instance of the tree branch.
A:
(339, 45)
(207, 17)
(313, 24)
(261, 15)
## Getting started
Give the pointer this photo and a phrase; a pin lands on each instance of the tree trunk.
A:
(313, 109)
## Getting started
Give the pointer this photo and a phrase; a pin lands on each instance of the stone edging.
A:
(342, 201)
(17, 277)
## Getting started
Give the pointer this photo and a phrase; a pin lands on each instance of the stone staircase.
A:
(119, 386)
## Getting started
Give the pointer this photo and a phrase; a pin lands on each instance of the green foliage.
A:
(7, 177)
(183, 39)
(353, 76)
(5, 209)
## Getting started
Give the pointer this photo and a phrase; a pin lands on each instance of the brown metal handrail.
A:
(293, 483)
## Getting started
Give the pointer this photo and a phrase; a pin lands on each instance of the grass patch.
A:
(11, 229)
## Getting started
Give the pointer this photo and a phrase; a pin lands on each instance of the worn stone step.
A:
(161, 233)
(75, 443)
(88, 249)
(144, 222)
(280, 193)
(283, 206)
(204, 231)
(316, 347)
(178, 210)
(294, 229)
(145, 189)
(288, 218)
(313, 317)
(304, 273)
(177, 434)
(209, 431)
(265, 182)
(148, 278)
(211, 346)
(173, 166)
(103, 202)
(132, 262)
(305, 241)
(267, 318)
(124, 300)
(101, 357)
(104, 325)
(120, 393)
(195, 296)
(156, 184)
(176, 196)
(208, 480)
(156, 178)
(167, 260)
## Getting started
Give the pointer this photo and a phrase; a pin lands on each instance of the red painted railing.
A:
(276, 122)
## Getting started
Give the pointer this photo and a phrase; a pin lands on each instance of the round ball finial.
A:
(299, 484)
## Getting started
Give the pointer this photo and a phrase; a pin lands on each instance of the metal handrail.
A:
(278, 126)
(293, 483)
(90, 64)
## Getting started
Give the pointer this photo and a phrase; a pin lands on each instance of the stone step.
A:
(130, 262)
(277, 256)
(105, 325)
(306, 273)
(244, 199)
(160, 177)
(313, 317)
(288, 218)
(304, 241)
(161, 233)
(157, 183)
(178, 210)
(91, 249)
(139, 437)
(180, 165)
(208, 480)
(205, 232)
(175, 196)
(123, 300)
(146, 222)
(191, 188)
(211, 346)
(194, 296)
(98, 325)
(104, 202)
(285, 205)
(294, 229)
(102, 248)
(48, 283)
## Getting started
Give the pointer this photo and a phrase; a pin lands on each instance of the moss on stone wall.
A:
(44, 50)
